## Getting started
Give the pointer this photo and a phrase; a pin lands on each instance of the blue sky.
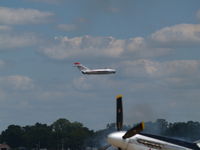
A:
(153, 45)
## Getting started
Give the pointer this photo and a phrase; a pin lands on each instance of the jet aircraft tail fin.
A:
(81, 67)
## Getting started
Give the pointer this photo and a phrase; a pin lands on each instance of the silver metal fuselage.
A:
(146, 142)
(98, 71)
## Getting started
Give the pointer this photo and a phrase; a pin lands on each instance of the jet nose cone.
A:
(116, 140)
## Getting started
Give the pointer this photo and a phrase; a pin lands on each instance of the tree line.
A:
(189, 131)
(63, 134)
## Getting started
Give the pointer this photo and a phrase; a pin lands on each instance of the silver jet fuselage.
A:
(98, 71)
(86, 70)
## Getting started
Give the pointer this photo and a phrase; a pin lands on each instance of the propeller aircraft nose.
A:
(116, 140)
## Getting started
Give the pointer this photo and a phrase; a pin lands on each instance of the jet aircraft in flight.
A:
(133, 139)
(88, 71)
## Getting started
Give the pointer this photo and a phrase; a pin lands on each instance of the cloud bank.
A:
(11, 41)
(15, 16)
(159, 43)
(16, 82)
(178, 35)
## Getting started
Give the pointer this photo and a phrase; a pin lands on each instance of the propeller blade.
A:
(135, 130)
(104, 147)
(119, 119)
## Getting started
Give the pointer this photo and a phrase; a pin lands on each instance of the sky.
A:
(154, 45)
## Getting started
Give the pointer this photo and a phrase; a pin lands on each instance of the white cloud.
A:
(17, 82)
(159, 43)
(67, 27)
(178, 73)
(178, 35)
(139, 68)
(85, 46)
(88, 83)
(140, 47)
(106, 47)
(5, 28)
(180, 68)
(136, 44)
(17, 41)
(23, 16)
(198, 14)
(149, 68)
(2, 63)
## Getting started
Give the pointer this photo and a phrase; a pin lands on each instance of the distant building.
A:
(4, 147)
